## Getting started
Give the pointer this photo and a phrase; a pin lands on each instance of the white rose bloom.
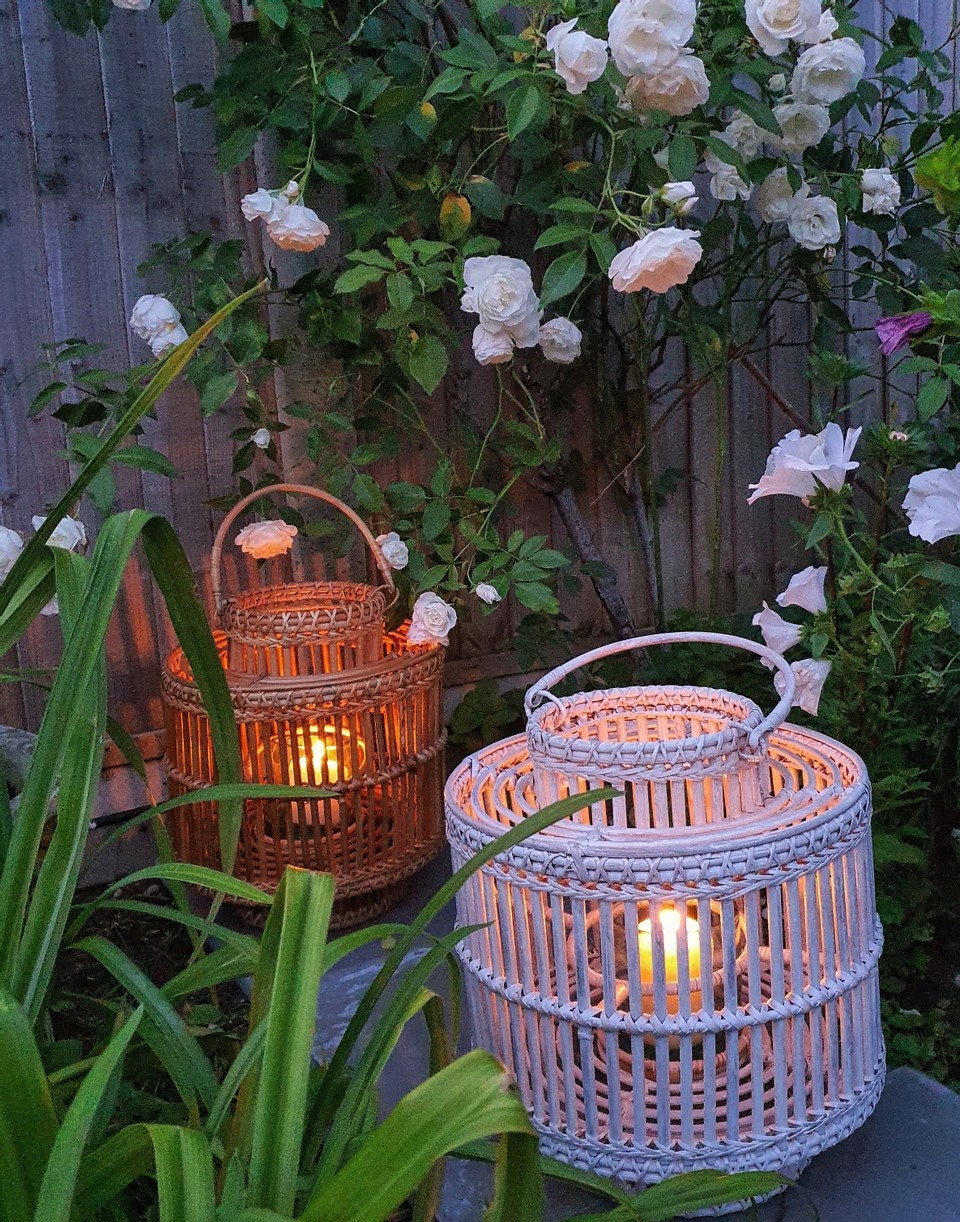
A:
(805, 589)
(261, 540)
(152, 315)
(560, 340)
(294, 227)
(69, 533)
(578, 57)
(803, 126)
(799, 463)
(827, 28)
(492, 347)
(747, 137)
(678, 89)
(774, 197)
(881, 192)
(778, 634)
(11, 545)
(261, 438)
(133, 6)
(487, 593)
(680, 196)
(658, 261)
(646, 35)
(810, 675)
(395, 551)
(774, 22)
(431, 621)
(813, 222)
(725, 181)
(777, 83)
(932, 504)
(258, 205)
(828, 71)
(163, 342)
(500, 290)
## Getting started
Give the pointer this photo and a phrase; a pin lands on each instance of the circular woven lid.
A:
(627, 730)
(299, 614)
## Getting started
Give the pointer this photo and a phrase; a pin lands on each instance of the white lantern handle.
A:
(540, 691)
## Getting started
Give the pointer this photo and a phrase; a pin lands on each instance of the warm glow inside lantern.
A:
(325, 698)
(682, 975)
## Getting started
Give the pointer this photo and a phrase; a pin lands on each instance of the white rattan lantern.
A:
(684, 976)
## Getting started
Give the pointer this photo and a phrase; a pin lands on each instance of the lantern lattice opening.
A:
(371, 735)
(686, 977)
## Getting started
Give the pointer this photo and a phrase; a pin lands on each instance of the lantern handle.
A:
(540, 691)
(386, 572)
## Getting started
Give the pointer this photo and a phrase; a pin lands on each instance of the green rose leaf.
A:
(428, 362)
(562, 277)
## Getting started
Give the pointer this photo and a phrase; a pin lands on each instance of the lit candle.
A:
(670, 924)
(326, 756)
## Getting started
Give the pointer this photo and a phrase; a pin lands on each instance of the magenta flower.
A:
(897, 329)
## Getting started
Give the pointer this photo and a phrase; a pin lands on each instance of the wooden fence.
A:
(98, 162)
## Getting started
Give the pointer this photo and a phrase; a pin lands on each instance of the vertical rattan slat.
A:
(687, 979)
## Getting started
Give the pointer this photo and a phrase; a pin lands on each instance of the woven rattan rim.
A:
(338, 610)
(401, 668)
(748, 845)
(220, 602)
(555, 747)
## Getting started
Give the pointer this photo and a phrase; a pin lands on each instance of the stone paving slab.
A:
(903, 1165)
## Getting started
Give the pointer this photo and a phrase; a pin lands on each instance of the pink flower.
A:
(932, 504)
(805, 589)
(778, 634)
(261, 540)
(896, 330)
(810, 675)
(801, 463)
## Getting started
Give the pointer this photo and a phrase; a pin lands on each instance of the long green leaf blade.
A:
(49, 906)
(163, 1028)
(28, 1122)
(109, 1169)
(334, 1085)
(285, 994)
(470, 1099)
(185, 1179)
(55, 1200)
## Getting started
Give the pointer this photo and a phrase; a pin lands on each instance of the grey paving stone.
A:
(903, 1165)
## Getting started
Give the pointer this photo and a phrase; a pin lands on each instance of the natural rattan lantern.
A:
(685, 976)
(323, 697)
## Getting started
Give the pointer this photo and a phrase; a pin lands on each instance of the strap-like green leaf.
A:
(28, 1122)
(517, 1181)
(197, 876)
(185, 1180)
(55, 1200)
(171, 571)
(81, 658)
(53, 893)
(249, 1055)
(285, 996)
(163, 1028)
(334, 1085)
(471, 1098)
(228, 962)
(111, 1168)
